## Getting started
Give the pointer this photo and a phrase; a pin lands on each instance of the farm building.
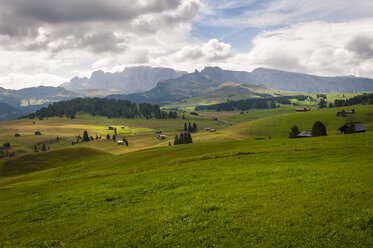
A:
(17, 135)
(158, 132)
(37, 133)
(357, 128)
(111, 128)
(120, 142)
(341, 114)
(305, 134)
(161, 137)
(122, 127)
(350, 112)
(212, 130)
(207, 129)
(302, 110)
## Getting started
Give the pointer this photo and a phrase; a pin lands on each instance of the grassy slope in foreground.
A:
(266, 194)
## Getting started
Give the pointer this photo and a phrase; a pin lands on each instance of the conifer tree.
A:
(318, 129)
(43, 148)
(114, 137)
(189, 127)
(195, 128)
(176, 140)
(185, 127)
(85, 136)
(108, 136)
(294, 132)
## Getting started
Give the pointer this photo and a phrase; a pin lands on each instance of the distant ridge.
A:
(196, 83)
(8, 112)
(131, 79)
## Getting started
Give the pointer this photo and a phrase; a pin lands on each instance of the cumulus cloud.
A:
(51, 41)
(91, 32)
(317, 47)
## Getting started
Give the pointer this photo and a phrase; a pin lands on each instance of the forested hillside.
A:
(103, 107)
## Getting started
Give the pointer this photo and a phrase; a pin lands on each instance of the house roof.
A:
(305, 134)
(359, 127)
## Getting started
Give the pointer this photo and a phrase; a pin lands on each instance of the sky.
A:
(48, 42)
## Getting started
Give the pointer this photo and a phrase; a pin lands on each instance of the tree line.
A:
(103, 107)
(360, 99)
(247, 104)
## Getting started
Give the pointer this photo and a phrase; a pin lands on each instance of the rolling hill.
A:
(28, 100)
(8, 112)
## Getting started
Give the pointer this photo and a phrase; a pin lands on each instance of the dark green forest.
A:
(361, 99)
(247, 104)
(102, 107)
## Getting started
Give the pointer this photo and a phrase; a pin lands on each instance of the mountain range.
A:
(198, 82)
(131, 79)
(174, 86)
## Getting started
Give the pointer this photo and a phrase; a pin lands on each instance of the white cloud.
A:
(51, 37)
(43, 45)
(318, 47)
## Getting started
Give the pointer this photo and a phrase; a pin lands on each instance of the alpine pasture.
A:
(245, 185)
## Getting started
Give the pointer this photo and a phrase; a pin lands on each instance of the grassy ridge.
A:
(265, 194)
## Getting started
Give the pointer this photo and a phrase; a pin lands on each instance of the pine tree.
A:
(114, 137)
(294, 132)
(126, 142)
(185, 127)
(43, 148)
(176, 140)
(190, 128)
(108, 136)
(195, 128)
(318, 129)
(183, 117)
(188, 138)
(169, 143)
(58, 138)
(182, 139)
(115, 131)
(85, 136)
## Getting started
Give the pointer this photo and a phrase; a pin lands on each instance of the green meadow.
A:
(227, 189)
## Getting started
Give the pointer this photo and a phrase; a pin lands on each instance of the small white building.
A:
(120, 142)
(161, 137)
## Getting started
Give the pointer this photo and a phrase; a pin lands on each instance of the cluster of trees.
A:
(360, 99)
(323, 96)
(247, 104)
(190, 128)
(125, 141)
(318, 129)
(103, 107)
(4, 151)
(183, 138)
(43, 148)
